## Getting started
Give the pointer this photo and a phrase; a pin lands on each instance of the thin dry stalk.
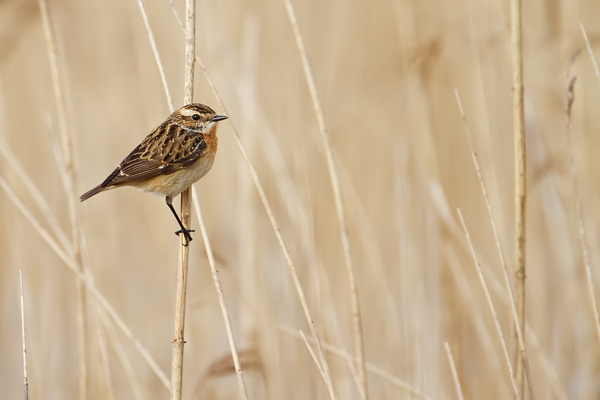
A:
(490, 354)
(104, 354)
(459, 391)
(73, 266)
(25, 381)
(35, 194)
(587, 43)
(51, 218)
(178, 343)
(274, 224)
(286, 253)
(355, 374)
(66, 168)
(399, 383)
(359, 346)
(312, 354)
(469, 298)
(497, 288)
(443, 208)
(520, 174)
(98, 319)
(582, 236)
(216, 279)
(547, 365)
(224, 311)
(176, 15)
(161, 70)
(67, 157)
(59, 94)
(124, 360)
(190, 50)
(80, 256)
(492, 309)
(79, 253)
(511, 297)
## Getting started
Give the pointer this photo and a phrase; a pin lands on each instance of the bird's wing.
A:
(167, 149)
(184, 151)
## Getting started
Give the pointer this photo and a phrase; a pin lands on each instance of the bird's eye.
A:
(195, 117)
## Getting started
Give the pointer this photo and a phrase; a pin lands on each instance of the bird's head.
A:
(197, 117)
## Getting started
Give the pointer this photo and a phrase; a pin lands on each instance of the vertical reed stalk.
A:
(520, 176)
(582, 236)
(74, 267)
(359, 346)
(25, 382)
(67, 158)
(274, 225)
(161, 70)
(488, 298)
(178, 343)
(511, 296)
(215, 274)
(225, 312)
(459, 391)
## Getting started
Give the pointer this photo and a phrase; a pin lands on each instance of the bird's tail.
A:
(94, 191)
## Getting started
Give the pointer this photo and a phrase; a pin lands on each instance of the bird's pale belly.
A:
(173, 184)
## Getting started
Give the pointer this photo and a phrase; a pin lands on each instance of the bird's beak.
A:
(218, 118)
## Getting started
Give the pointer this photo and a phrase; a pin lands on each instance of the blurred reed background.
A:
(386, 74)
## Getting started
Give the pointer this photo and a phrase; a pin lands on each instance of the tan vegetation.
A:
(386, 75)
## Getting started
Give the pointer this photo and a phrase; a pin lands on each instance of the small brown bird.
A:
(172, 157)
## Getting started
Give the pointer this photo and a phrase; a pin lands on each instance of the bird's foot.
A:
(186, 234)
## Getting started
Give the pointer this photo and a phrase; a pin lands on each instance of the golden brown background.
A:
(386, 72)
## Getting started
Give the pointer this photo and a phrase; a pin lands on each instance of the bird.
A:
(176, 154)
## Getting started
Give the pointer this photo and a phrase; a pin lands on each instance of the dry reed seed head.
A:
(198, 117)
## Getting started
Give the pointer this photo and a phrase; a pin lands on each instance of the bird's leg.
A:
(186, 232)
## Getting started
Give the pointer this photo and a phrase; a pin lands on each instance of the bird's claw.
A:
(186, 234)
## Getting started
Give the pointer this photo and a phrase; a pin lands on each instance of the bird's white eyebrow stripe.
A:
(187, 112)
